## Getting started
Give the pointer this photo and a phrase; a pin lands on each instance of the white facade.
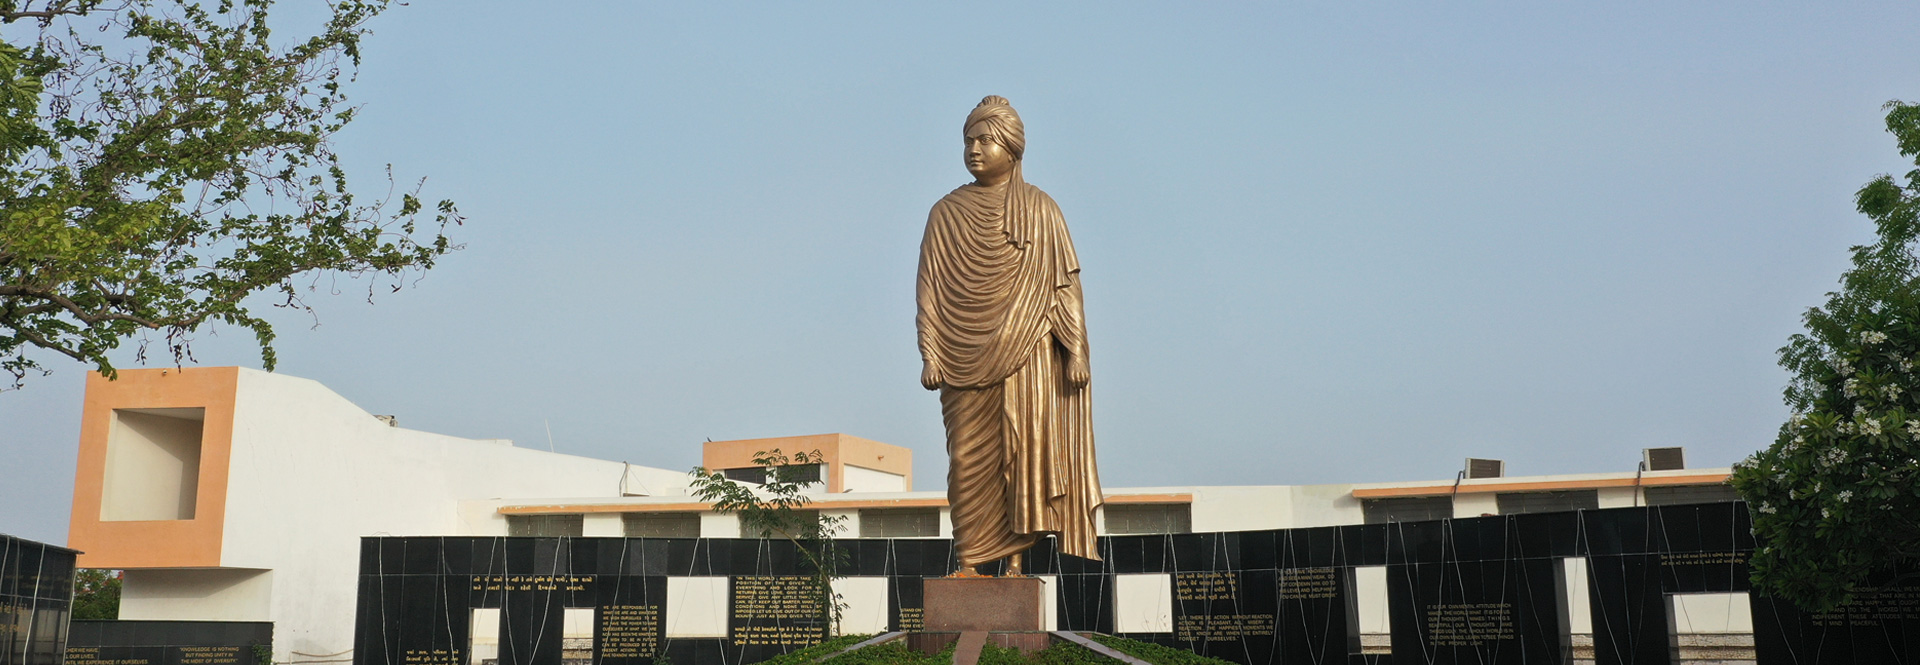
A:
(296, 475)
(308, 475)
(312, 473)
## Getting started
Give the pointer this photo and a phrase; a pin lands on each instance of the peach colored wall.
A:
(159, 543)
(870, 454)
(838, 449)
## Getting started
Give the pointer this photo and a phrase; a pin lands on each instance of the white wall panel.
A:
(866, 600)
(1711, 613)
(1143, 603)
(1370, 596)
(696, 607)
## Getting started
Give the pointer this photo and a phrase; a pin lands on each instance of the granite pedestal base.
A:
(933, 643)
(1005, 610)
(991, 604)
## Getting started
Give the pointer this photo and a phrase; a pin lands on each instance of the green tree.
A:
(1836, 498)
(161, 161)
(776, 508)
(96, 594)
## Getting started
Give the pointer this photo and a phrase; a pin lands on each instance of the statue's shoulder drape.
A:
(993, 266)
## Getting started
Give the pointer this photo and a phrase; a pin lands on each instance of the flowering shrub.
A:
(1837, 495)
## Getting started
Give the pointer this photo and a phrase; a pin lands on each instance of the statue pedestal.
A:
(992, 604)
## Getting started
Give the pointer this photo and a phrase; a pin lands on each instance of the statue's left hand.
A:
(930, 373)
(1077, 373)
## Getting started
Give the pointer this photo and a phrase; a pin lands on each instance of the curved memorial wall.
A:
(1480, 590)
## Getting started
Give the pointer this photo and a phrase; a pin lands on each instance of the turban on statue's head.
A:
(998, 113)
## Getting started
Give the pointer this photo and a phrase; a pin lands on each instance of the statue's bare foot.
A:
(967, 571)
(1013, 566)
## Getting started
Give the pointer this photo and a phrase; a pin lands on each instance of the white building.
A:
(230, 494)
(233, 494)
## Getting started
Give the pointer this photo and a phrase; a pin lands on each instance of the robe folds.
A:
(1000, 313)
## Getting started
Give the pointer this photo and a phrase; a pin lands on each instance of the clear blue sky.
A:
(1347, 243)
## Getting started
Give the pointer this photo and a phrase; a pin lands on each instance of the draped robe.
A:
(1000, 311)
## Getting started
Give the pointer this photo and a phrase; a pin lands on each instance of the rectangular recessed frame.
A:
(152, 465)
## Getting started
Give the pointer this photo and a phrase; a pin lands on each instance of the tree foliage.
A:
(777, 508)
(1836, 498)
(96, 594)
(163, 160)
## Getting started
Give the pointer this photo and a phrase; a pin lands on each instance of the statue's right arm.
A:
(931, 372)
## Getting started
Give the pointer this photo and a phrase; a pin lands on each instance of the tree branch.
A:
(9, 17)
(57, 9)
(44, 343)
(88, 316)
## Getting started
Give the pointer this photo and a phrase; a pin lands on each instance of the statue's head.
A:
(995, 140)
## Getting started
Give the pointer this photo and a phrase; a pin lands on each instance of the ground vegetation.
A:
(96, 594)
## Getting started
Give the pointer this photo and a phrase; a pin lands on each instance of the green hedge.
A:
(1154, 653)
(812, 653)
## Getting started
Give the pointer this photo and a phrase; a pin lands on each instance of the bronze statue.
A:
(1003, 337)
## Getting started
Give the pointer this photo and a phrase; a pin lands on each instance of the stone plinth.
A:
(963, 604)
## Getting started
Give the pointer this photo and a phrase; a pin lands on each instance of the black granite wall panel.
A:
(169, 643)
(1477, 590)
(1880, 624)
(36, 596)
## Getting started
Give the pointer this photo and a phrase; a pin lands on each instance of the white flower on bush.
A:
(1870, 427)
(1892, 390)
(1833, 457)
(1844, 495)
(1824, 514)
(1913, 428)
(1851, 388)
(1768, 508)
(1872, 337)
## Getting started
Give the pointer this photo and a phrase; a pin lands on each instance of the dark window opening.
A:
(796, 473)
(1516, 503)
(661, 525)
(803, 520)
(900, 523)
(1409, 509)
(1684, 494)
(546, 526)
(1149, 518)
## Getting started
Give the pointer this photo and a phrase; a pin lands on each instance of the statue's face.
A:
(987, 160)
